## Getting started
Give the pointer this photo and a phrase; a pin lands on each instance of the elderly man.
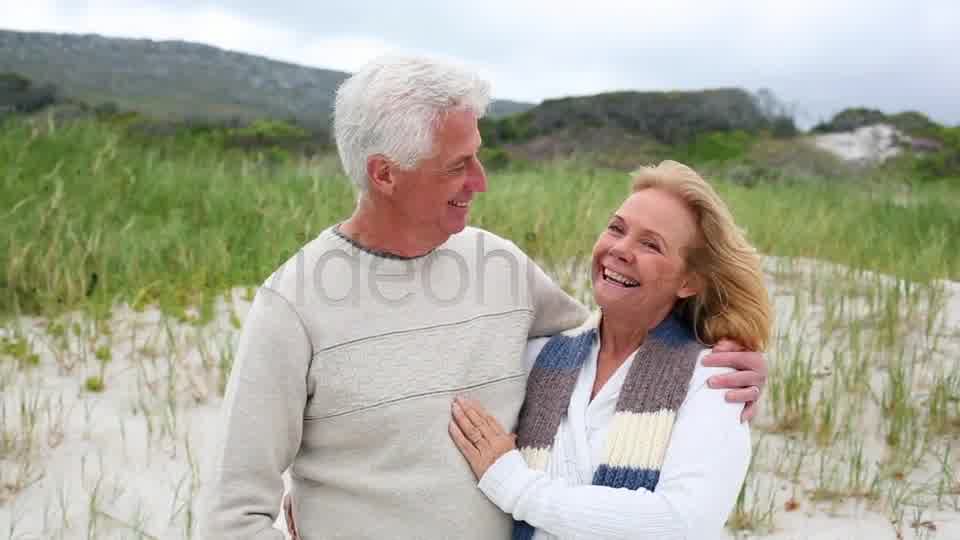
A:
(353, 349)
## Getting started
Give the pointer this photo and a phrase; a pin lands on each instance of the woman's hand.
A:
(479, 436)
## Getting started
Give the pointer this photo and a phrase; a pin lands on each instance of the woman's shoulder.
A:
(704, 398)
(701, 372)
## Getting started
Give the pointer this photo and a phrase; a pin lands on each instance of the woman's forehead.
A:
(661, 212)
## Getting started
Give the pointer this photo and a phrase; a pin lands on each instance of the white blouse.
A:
(703, 469)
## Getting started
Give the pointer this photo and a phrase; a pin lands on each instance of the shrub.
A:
(717, 146)
(851, 119)
(494, 158)
(945, 162)
(19, 94)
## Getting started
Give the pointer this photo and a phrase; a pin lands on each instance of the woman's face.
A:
(638, 260)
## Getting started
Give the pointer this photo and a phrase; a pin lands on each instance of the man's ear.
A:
(379, 174)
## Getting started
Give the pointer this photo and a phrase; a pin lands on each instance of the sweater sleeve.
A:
(261, 423)
(703, 469)
(553, 309)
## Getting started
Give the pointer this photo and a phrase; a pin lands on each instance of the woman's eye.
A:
(614, 227)
(652, 245)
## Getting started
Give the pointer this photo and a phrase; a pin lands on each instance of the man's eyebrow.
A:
(459, 159)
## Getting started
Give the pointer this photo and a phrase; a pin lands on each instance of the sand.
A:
(128, 462)
(867, 145)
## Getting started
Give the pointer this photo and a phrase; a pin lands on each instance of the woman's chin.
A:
(607, 294)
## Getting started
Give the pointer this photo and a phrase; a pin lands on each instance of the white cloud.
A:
(822, 55)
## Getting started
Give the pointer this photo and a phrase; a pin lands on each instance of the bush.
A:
(508, 129)
(268, 129)
(106, 109)
(494, 158)
(915, 124)
(782, 127)
(718, 146)
(19, 94)
(911, 123)
(851, 119)
(944, 163)
(668, 117)
(13, 82)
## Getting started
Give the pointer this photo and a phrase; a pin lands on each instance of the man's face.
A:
(436, 195)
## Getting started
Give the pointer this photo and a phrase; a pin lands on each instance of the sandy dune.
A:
(128, 462)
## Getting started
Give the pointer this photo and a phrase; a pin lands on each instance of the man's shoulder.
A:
(296, 268)
(475, 239)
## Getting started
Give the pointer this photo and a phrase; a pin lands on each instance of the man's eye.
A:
(652, 245)
(614, 227)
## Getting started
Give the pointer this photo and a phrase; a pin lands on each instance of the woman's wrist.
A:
(503, 479)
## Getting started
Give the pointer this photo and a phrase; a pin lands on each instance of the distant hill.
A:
(673, 117)
(913, 123)
(505, 107)
(175, 79)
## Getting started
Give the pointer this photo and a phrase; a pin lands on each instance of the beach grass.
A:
(128, 264)
(93, 214)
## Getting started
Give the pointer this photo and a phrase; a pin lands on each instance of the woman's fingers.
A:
(489, 420)
(478, 420)
(466, 447)
(467, 426)
(479, 435)
(495, 438)
(488, 424)
(495, 426)
(485, 438)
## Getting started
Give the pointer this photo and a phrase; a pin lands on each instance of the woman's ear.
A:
(691, 285)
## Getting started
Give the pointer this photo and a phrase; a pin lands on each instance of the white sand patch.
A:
(866, 145)
(129, 462)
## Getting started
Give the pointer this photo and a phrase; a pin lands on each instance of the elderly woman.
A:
(619, 435)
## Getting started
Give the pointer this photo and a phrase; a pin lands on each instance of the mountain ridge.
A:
(179, 79)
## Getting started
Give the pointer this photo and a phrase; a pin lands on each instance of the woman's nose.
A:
(620, 251)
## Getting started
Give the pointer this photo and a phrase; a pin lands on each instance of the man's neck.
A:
(376, 230)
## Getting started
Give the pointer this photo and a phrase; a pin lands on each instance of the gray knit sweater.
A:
(346, 368)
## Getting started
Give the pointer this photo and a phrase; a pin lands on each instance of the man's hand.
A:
(479, 436)
(747, 383)
(288, 517)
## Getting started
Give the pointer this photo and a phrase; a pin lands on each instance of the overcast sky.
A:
(820, 56)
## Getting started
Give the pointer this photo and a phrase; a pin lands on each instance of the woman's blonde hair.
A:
(733, 302)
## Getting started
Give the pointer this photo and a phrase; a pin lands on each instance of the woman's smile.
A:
(618, 279)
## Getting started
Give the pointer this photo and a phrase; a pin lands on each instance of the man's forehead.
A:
(456, 121)
(457, 139)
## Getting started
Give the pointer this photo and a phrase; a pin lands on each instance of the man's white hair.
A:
(392, 105)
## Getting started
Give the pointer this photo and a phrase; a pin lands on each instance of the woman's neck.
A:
(619, 335)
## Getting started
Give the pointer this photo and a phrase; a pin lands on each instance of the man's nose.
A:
(476, 177)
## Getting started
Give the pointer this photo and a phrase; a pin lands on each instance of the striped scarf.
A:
(654, 389)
